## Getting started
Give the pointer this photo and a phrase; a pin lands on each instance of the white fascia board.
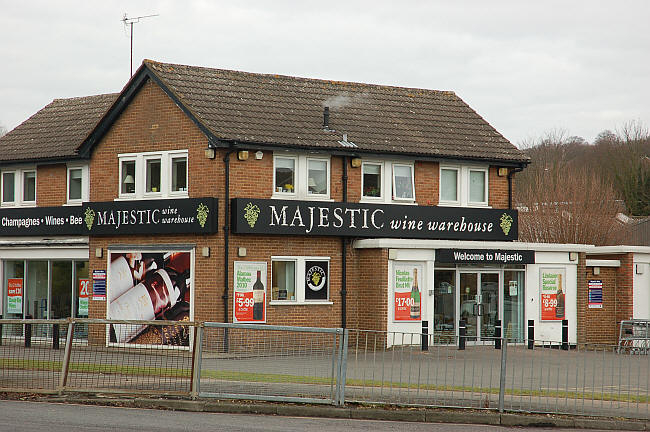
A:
(399, 243)
(605, 250)
(603, 263)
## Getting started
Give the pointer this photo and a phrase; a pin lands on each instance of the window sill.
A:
(23, 205)
(277, 196)
(150, 198)
(296, 303)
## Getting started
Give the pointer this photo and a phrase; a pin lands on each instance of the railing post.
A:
(462, 332)
(502, 380)
(195, 385)
(425, 336)
(28, 334)
(531, 334)
(565, 335)
(55, 336)
(497, 335)
(0, 329)
(65, 367)
(342, 369)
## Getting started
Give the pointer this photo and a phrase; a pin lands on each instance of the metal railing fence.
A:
(323, 365)
(279, 363)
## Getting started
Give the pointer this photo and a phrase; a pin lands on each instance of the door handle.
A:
(480, 309)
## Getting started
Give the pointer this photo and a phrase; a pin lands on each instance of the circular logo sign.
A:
(316, 278)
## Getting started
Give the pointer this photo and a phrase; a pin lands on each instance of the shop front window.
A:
(444, 305)
(283, 281)
(61, 289)
(14, 278)
(513, 305)
(37, 287)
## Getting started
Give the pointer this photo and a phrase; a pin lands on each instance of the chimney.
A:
(326, 118)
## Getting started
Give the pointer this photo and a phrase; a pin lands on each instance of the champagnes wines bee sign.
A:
(249, 292)
(407, 300)
(144, 285)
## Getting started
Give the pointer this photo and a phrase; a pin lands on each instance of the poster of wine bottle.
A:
(249, 292)
(143, 285)
(553, 291)
(407, 280)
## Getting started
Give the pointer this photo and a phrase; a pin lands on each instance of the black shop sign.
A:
(485, 256)
(41, 221)
(177, 216)
(284, 217)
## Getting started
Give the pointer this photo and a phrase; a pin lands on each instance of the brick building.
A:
(216, 195)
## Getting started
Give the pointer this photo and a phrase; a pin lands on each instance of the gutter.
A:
(344, 248)
(226, 244)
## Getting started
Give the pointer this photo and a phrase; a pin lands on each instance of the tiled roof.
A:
(56, 131)
(288, 111)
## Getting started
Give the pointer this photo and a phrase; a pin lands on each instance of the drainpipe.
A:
(226, 242)
(344, 255)
(511, 173)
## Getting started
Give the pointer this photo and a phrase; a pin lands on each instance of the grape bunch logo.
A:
(89, 218)
(202, 212)
(506, 223)
(251, 213)
(316, 278)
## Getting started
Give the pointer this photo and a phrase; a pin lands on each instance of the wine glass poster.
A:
(144, 285)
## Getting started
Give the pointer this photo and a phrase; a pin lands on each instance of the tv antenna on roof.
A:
(129, 22)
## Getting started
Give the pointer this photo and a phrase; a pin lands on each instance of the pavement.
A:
(350, 411)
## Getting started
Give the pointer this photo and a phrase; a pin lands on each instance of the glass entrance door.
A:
(479, 304)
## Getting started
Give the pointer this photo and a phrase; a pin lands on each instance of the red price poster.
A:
(552, 294)
(15, 296)
(250, 292)
(407, 305)
(244, 306)
(84, 285)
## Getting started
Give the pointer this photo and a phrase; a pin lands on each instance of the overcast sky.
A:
(526, 67)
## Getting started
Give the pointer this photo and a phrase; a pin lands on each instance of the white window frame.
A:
(299, 282)
(301, 178)
(459, 192)
(394, 189)
(178, 155)
(85, 184)
(145, 160)
(19, 179)
(485, 172)
(296, 179)
(382, 183)
(463, 185)
(325, 195)
(141, 175)
(388, 184)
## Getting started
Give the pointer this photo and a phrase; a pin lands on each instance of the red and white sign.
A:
(249, 292)
(84, 288)
(15, 296)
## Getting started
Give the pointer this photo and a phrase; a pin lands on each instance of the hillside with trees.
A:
(573, 190)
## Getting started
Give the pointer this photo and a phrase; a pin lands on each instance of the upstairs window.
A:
(153, 175)
(371, 180)
(78, 184)
(19, 187)
(403, 186)
(464, 186)
(301, 177)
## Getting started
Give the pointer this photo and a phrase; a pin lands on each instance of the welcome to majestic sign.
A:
(284, 217)
(485, 256)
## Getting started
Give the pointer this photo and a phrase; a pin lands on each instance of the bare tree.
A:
(568, 206)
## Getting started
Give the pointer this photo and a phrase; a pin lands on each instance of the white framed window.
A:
(372, 181)
(477, 186)
(300, 280)
(449, 181)
(403, 182)
(284, 178)
(318, 178)
(387, 182)
(465, 186)
(301, 177)
(19, 187)
(153, 175)
(77, 184)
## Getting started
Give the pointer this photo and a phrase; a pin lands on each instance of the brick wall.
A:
(51, 184)
(602, 325)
